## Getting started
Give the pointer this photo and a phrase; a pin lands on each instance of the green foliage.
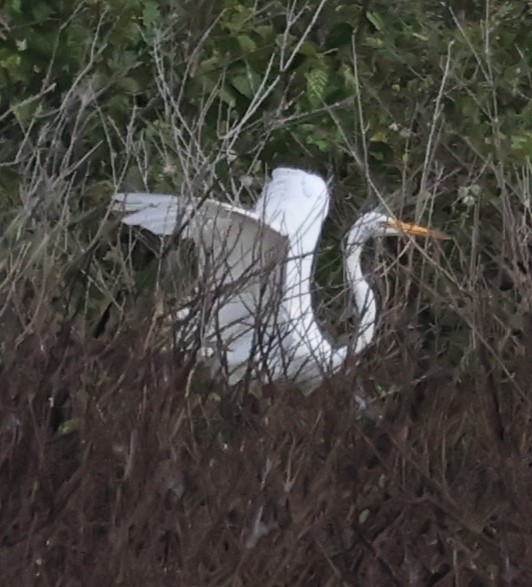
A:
(145, 92)
(238, 52)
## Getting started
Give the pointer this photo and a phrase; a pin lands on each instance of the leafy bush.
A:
(420, 106)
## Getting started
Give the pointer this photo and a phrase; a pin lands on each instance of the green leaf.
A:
(379, 137)
(265, 31)
(247, 44)
(15, 6)
(340, 36)
(308, 49)
(25, 111)
(41, 12)
(241, 83)
(374, 42)
(13, 65)
(522, 146)
(375, 19)
(151, 14)
(129, 85)
(69, 426)
(226, 95)
(317, 80)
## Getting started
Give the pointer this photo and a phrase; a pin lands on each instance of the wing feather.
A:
(209, 222)
(159, 213)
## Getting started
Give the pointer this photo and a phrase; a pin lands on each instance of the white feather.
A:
(262, 262)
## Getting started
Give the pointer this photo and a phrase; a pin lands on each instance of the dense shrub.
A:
(122, 465)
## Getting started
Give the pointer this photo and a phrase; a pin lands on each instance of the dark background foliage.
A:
(120, 465)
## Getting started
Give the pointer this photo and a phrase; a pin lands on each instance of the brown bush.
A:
(166, 479)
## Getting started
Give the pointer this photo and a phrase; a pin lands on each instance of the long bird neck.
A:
(363, 295)
(298, 302)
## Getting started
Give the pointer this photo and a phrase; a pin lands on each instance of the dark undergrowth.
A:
(122, 466)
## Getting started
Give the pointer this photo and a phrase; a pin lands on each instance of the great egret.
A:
(264, 257)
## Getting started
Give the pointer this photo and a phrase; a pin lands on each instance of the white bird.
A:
(259, 263)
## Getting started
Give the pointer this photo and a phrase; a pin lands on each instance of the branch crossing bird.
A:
(259, 263)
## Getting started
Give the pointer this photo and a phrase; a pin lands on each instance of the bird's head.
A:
(378, 224)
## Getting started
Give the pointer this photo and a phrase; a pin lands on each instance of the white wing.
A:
(239, 236)
(282, 230)
(241, 257)
(158, 213)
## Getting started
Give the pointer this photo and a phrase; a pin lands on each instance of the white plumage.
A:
(261, 262)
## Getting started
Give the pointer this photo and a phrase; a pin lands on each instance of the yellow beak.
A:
(416, 230)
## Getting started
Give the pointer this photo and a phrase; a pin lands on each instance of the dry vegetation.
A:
(124, 465)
